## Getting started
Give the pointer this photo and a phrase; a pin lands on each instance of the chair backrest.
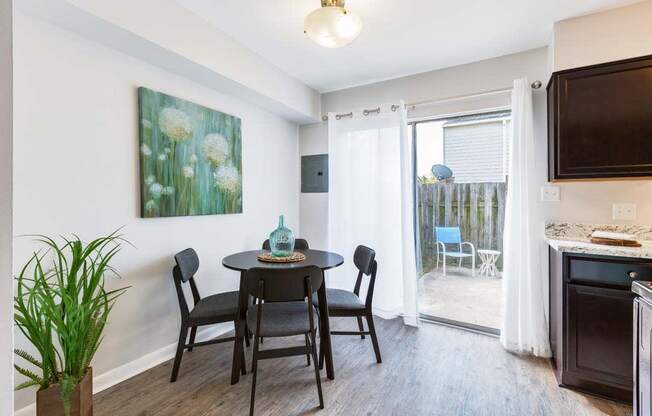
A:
(188, 263)
(184, 272)
(299, 244)
(364, 259)
(448, 235)
(283, 285)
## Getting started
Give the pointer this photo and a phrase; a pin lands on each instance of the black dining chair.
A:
(214, 309)
(343, 303)
(278, 313)
(299, 244)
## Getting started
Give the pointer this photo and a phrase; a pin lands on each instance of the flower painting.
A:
(190, 158)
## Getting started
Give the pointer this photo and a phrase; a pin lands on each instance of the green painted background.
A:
(190, 158)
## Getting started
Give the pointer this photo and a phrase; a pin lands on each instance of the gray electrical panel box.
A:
(314, 173)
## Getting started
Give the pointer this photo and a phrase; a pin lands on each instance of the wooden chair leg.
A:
(243, 366)
(307, 350)
(193, 332)
(313, 349)
(374, 339)
(247, 336)
(254, 370)
(183, 335)
(360, 326)
(322, 355)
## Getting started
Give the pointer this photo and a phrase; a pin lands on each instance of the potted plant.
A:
(62, 306)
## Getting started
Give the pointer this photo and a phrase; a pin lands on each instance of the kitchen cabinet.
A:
(591, 321)
(600, 121)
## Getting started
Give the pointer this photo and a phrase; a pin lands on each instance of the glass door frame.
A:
(422, 316)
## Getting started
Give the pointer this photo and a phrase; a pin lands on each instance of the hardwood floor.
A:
(435, 370)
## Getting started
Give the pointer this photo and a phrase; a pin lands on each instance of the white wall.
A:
(6, 295)
(611, 35)
(455, 81)
(185, 44)
(76, 170)
(314, 206)
(614, 34)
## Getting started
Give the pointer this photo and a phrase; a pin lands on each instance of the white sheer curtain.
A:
(525, 324)
(371, 203)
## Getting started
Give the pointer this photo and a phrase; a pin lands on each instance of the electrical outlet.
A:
(550, 193)
(625, 212)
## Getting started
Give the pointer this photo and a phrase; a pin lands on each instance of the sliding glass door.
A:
(461, 184)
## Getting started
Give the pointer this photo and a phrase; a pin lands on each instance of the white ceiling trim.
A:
(252, 80)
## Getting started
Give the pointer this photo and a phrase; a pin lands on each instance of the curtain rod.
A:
(365, 112)
(535, 85)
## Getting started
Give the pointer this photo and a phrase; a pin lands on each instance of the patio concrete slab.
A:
(459, 296)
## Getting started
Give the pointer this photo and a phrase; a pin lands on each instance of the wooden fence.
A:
(477, 208)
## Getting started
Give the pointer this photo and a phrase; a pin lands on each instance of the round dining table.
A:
(246, 260)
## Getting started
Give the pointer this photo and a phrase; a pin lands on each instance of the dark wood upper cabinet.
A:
(600, 121)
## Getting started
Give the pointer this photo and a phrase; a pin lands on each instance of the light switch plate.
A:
(550, 193)
(624, 212)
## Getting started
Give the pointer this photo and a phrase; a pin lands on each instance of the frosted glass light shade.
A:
(332, 27)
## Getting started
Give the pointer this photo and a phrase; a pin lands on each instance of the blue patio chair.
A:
(453, 235)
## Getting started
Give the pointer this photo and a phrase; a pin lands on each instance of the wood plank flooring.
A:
(435, 370)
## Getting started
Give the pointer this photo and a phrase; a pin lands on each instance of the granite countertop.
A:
(575, 238)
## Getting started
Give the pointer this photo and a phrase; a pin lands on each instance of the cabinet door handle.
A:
(633, 275)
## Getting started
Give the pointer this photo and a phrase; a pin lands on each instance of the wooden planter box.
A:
(49, 403)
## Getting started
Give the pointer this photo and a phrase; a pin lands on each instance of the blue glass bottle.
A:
(281, 240)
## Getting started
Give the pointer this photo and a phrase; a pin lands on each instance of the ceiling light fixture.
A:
(332, 26)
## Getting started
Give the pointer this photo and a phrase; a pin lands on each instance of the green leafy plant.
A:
(61, 306)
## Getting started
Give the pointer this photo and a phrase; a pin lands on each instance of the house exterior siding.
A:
(477, 151)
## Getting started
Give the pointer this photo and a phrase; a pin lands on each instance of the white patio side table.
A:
(488, 258)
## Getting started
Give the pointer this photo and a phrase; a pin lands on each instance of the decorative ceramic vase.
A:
(281, 240)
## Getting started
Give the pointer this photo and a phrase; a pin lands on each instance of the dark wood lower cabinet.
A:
(599, 340)
(591, 321)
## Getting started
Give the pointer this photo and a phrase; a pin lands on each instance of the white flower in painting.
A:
(175, 124)
(163, 157)
(150, 206)
(150, 180)
(215, 148)
(193, 159)
(188, 172)
(145, 150)
(167, 190)
(155, 189)
(227, 179)
(146, 123)
(167, 150)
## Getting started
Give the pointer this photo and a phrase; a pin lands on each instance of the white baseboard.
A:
(112, 377)
(386, 314)
(411, 320)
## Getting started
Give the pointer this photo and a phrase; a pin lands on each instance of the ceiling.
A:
(400, 37)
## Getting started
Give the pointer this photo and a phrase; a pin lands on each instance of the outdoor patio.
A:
(461, 297)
